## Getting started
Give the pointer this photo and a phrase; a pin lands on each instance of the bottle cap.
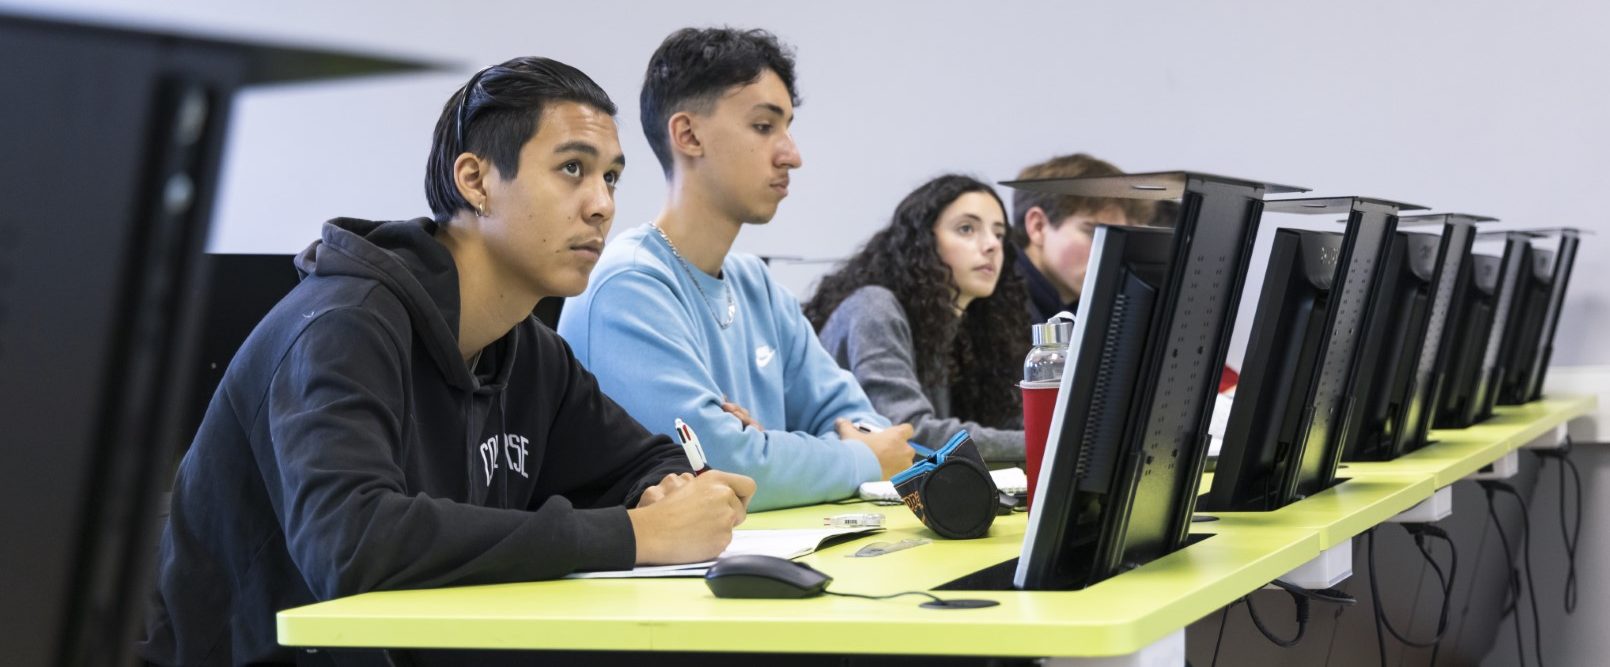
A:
(1056, 331)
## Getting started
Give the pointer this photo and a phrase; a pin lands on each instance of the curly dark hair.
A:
(975, 354)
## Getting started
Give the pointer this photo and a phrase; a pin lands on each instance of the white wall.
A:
(1487, 107)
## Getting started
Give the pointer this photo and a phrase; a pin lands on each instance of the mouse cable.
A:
(930, 596)
(1224, 619)
(1513, 593)
(1331, 595)
(1444, 582)
(1570, 534)
(1526, 547)
(1302, 621)
(1420, 532)
(1300, 597)
(1491, 488)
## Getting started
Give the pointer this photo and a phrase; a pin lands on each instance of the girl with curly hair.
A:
(929, 316)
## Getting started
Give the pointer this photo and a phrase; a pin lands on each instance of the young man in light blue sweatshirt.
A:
(675, 326)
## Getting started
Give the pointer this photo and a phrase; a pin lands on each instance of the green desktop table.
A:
(1376, 491)
(1124, 614)
(1456, 453)
(1342, 511)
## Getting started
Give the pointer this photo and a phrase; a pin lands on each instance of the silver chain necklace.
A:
(732, 304)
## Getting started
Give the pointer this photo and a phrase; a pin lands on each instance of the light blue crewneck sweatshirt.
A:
(654, 343)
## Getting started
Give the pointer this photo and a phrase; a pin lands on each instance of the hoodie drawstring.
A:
(472, 441)
(503, 428)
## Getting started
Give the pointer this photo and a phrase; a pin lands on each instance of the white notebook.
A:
(781, 543)
(1008, 480)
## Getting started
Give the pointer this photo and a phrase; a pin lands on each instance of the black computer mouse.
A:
(757, 576)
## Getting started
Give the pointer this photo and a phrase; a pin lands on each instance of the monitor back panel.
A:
(1186, 349)
(1453, 256)
(1386, 356)
(1564, 261)
(1516, 263)
(1320, 441)
(1472, 321)
(1282, 349)
(239, 291)
(1080, 505)
(1521, 342)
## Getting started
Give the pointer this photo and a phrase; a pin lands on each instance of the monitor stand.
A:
(998, 577)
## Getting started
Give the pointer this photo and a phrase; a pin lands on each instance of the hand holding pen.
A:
(742, 486)
(689, 517)
(692, 448)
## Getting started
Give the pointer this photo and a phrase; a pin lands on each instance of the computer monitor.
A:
(1389, 349)
(1525, 323)
(1513, 296)
(1527, 359)
(1128, 439)
(1404, 336)
(113, 140)
(238, 290)
(1471, 314)
(1414, 415)
(1256, 468)
(1294, 404)
(1483, 301)
(1088, 426)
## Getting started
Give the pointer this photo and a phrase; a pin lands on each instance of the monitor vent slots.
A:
(1115, 382)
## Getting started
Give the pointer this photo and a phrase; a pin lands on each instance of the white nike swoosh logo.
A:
(763, 355)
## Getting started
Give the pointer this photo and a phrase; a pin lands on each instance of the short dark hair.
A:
(695, 66)
(1058, 207)
(499, 115)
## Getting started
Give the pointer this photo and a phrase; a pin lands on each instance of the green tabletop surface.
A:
(1456, 453)
(1341, 511)
(1241, 552)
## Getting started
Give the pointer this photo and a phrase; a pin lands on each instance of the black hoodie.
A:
(350, 449)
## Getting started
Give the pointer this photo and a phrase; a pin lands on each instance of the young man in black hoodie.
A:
(400, 420)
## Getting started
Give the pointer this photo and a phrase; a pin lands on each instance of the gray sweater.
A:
(868, 334)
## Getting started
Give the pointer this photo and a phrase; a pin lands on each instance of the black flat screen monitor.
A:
(1390, 349)
(1083, 497)
(239, 290)
(1509, 313)
(1525, 325)
(1483, 300)
(1295, 405)
(1257, 463)
(1470, 319)
(1526, 362)
(1458, 233)
(113, 139)
(1128, 439)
